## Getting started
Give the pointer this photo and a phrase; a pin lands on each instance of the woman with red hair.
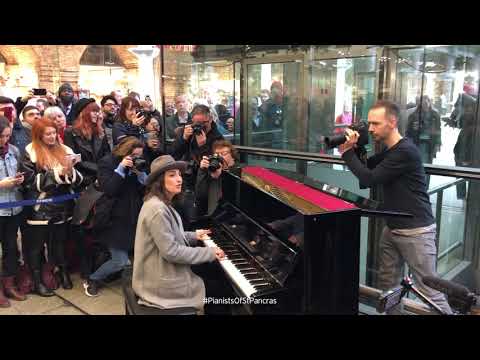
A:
(87, 138)
(49, 172)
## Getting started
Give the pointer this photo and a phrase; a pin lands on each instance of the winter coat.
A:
(41, 184)
(8, 168)
(21, 136)
(91, 151)
(162, 276)
(128, 194)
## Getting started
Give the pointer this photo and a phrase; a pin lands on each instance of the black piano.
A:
(292, 244)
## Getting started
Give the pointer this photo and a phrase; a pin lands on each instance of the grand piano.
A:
(292, 244)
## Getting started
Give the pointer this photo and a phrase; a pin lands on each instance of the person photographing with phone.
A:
(10, 184)
(50, 172)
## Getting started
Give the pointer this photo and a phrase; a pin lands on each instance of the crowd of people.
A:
(98, 167)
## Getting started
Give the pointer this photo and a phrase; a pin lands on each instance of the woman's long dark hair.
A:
(157, 188)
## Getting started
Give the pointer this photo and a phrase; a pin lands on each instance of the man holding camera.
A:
(208, 188)
(399, 170)
(192, 143)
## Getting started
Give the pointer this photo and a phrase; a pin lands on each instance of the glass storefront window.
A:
(437, 87)
(210, 81)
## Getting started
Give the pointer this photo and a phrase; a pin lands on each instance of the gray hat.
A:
(162, 164)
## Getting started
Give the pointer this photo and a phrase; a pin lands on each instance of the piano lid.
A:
(305, 199)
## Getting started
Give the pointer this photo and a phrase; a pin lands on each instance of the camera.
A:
(215, 162)
(336, 140)
(197, 129)
(139, 163)
(144, 113)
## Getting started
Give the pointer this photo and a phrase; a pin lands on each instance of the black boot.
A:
(65, 278)
(39, 288)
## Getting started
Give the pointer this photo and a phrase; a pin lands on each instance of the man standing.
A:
(399, 170)
(109, 108)
(65, 102)
(21, 137)
(182, 117)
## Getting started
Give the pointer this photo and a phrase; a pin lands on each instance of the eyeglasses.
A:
(109, 104)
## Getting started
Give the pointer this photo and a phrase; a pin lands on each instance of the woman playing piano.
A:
(162, 276)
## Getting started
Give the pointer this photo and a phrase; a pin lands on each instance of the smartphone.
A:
(147, 97)
(41, 92)
(76, 158)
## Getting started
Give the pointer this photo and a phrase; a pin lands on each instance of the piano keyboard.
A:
(239, 269)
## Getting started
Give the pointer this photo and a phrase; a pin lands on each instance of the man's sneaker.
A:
(91, 288)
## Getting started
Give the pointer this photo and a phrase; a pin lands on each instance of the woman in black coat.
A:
(122, 182)
(131, 122)
(87, 138)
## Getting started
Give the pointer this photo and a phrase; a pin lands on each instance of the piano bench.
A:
(132, 307)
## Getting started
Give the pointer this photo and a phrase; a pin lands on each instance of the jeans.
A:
(420, 253)
(118, 262)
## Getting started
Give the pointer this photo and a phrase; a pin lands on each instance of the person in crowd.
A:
(109, 108)
(162, 276)
(149, 108)
(463, 117)
(30, 115)
(424, 129)
(20, 135)
(169, 108)
(10, 218)
(49, 169)
(42, 105)
(132, 123)
(223, 114)
(181, 118)
(264, 95)
(399, 171)
(122, 182)
(208, 188)
(135, 95)
(129, 121)
(66, 101)
(191, 146)
(117, 94)
(56, 114)
(272, 109)
(87, 138)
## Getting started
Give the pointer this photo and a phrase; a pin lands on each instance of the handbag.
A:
(102, 213)
(82, 212)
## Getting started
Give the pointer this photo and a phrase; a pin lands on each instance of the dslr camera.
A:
(336, 140)
(215, 162)
(139, 163)
(197, 129)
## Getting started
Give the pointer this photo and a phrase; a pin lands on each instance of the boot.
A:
(11, 290)
(4, 303)
(24, 280)
(39, 288)
(64, 277)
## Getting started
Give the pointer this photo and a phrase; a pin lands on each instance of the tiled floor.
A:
(72, 302)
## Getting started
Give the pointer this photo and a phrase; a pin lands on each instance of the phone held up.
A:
(40, 92)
